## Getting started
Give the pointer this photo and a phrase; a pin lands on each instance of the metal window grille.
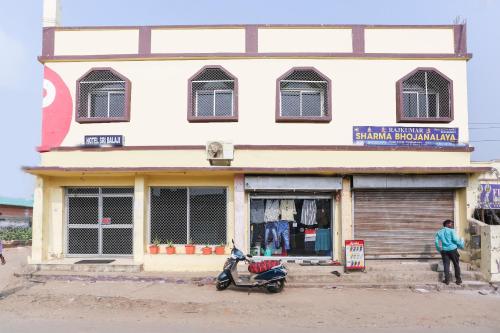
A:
(179, 215)
(303, 93)
(426, 94)
(100, 221)
(102, 95)
(213, 94)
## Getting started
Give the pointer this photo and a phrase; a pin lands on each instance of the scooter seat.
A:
(262, 266)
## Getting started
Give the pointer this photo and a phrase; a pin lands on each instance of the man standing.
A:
(447, 243)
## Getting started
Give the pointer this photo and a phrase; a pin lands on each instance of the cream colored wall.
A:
(88, 42)
(363, 93)
(254, 158)
(197, 40)
(404, 40)
(305, 40)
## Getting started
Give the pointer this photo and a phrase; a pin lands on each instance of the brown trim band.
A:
(144, 41)
(223, 55)
(333, 170)
(358, 39)
(251, 39)
(279, 147)
(48, 44)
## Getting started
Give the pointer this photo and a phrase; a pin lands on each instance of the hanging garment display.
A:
(271, 234)
(272, 212)
(287, 209)
(258, 233)
(257, 211)
(283, 229)
(308, 212)
(323, 240)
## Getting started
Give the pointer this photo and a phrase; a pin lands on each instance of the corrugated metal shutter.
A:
(400, 223)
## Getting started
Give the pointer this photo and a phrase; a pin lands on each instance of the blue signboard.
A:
(404, 136)
(103, 140)
(489, 196)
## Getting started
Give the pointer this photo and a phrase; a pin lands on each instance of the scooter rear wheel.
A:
(276, 287)
(222, 285)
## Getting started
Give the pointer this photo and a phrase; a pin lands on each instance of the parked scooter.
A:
(272, 278)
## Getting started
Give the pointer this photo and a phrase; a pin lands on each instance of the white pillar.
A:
(51, 13)
(239, 212)
(37, 248)
(346, 211)
(139, 218)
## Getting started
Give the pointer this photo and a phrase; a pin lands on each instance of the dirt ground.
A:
(60, 306)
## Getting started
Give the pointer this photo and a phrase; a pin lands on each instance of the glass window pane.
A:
(208, 215)
(290, 103)
(205, 103)
(118, 210)
(169, 214)
(83, 241)
(83, 210)
(99, 104)
(311, 104)
(117, 240)
(410, 106)
(224, 103)
(433, 106)
(117, 105)
(422, 105)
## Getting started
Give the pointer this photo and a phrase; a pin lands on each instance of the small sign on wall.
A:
(404, 136)
(489, 196)
(103, 140)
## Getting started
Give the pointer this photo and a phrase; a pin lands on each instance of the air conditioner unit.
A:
(220, 153)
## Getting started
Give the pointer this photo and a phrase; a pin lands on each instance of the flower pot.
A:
(220, 250)
(170, 249)
(206, 250)
(190, 248)
(153, 249)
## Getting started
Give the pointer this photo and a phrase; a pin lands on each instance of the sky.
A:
(21, 74)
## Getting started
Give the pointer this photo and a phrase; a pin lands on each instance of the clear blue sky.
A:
(21, 74)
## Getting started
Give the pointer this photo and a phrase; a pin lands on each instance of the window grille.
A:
(303, 94)
(212, 94)
(426, 95)
(102, 95)
(191, 214)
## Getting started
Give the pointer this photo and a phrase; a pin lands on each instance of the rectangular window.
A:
(198, 214)
(106, 104)
(211, 103)
(417, 104)
(301, 103)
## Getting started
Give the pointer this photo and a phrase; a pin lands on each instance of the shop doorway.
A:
(99, 221)
(291, 226)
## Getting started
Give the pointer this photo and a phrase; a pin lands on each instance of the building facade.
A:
(15, 212)
(289, 139)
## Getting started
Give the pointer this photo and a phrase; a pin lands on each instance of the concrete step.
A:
(62, 267)
(429, 285)
(401, 265)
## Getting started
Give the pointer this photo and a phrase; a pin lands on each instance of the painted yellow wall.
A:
(88, 42)
(363, 93)
(305, 40)
(254, 158)
(197, 40)
(394, 40)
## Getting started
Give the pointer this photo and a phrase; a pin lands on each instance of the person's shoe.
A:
(459, 282)
(446, 282)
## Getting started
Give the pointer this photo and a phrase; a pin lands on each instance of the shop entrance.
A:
(99, 221)
(291, 226)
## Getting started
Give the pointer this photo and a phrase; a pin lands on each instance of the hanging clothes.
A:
(287, 209)
(323, 240)
(272, 212)
(257, 211)
(308, 212)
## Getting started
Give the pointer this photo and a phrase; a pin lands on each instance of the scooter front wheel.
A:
(276, 287)
(222, 285)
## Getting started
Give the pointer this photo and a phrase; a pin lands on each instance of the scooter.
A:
(273, 279)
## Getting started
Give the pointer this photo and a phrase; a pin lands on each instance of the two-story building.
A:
(289, 139)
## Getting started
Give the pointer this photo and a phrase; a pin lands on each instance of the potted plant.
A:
(206, 250)
(190, 248)
(170, 247)
(220, 249)
(155, 247)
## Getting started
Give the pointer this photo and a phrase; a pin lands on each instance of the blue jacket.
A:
(448, 239)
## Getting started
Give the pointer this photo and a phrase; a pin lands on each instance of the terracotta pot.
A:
(206, 250)
(170, 249)
(190, 248)
(153, 249)
(220, 250)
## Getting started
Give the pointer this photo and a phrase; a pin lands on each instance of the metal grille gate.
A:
(100, 221)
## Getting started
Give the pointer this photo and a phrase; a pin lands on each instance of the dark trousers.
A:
(453, 257)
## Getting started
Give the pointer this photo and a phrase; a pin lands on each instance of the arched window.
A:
(212, 95)
(303, 95)
(103, 95)
(424, 95)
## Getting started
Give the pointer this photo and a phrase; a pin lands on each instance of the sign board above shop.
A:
(103, 140)
(404, 136)
(489, 196)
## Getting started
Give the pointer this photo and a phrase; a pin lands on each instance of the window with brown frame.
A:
(303, 95)
(425, 95)
(212, 96)
(103, 95)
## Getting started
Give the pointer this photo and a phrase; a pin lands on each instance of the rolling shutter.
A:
(401, 223)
